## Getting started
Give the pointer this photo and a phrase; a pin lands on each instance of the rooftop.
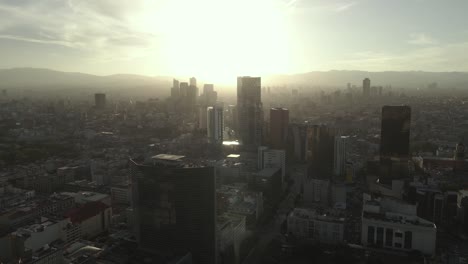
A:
(168, 157)
(268, 172)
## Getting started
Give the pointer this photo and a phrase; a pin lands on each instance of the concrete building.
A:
(272, 158)
(309, 224)
(249, 111)
(316, 191)
(121, 194)
(88, 221)
(393, 224)
(215, 124)
(86, 197)
(231, 231)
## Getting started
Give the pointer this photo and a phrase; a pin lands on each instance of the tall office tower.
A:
(249, 111)
(272, 158)
(339, 166)
(321, 151)
(100, 100)
(208, 88)
(395, 131)
(192, 94)
(175, 90)
(215, 123)
(202, 117)
(184, 89)
(209, 96)
(231, 118)
(298, 136)
(174, 207)
(193, 82)
(394, 143)
(366, 87)
(279, 122)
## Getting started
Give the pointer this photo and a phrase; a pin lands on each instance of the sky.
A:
(220, 39)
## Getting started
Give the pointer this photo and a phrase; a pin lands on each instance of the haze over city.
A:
(218, 40)
(233, 132)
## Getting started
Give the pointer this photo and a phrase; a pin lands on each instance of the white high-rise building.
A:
(339, 164)
(215, 124)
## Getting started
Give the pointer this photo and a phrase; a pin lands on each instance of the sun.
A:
(217, 40)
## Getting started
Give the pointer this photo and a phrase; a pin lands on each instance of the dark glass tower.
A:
(279, 122)
(394, 143)
(249, 111)
(395, 131)
(100, 100)
(321, 151)
(174, 206)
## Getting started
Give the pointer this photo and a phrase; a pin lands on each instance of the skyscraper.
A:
(208, 88)
(174, 206)
(321, 150)
(366, 87)
(279, 122)
(249, 111)
(394, 143)
(184, 89)
(202, 117)
(175, 90)
(339, 166)
(215, 124)
(395, 131)
(209, 95)
(193, 82)
(100, 100)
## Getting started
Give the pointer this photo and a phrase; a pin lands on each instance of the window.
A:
(311, 229)
(389, 237)
(408, 239)
(398, 234)
(398, 245)
(379, 240)
(370, 234)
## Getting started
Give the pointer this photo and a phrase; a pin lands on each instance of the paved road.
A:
(272, 229)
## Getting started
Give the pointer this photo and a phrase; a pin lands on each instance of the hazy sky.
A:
(220, 39)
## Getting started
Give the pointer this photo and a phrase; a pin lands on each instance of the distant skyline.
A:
(220, 39)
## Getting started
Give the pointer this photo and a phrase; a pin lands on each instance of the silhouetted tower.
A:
(366, 87)
(249, 111)
(100, 100)
(279, 122)
(215, 124)
(174, 207)
(395, 142)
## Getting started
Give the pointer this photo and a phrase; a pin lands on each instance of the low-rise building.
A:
(311, 224)
(393, 224)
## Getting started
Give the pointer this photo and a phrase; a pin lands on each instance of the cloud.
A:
(449, 57)
(99, 28)
(421, 39)
(340, 7)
